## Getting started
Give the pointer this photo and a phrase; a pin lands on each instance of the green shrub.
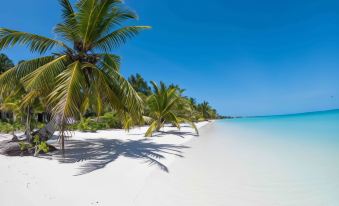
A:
(24, 146)
(110, 121)
(107, 121)
(43, 147)
(6, 127)
(87, 125)
(40, 146)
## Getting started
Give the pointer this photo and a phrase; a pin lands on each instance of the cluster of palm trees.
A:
(77, 72)
(167, 104)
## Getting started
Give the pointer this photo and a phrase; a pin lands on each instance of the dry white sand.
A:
(104, 168)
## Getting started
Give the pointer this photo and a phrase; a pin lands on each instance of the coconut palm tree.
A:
(139, 84)
(80, 67)
(5, 63)
(207, 112)
(166, 105)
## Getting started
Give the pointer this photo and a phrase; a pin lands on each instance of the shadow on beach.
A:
(176, 133)
(97, 153)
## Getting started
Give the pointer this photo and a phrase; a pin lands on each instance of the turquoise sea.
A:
(321, 128)
(293, 158)
(288, 160)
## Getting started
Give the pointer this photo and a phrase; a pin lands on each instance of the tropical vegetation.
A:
(166, 105)
(5, 63)
(81, 72)
(76, 84)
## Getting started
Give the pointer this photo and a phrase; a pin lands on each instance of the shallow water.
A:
(290, 160)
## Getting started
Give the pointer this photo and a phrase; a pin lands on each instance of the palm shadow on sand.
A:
(97, 153)
(176, 133)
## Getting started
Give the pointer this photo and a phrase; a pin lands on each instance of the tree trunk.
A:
(28, 125)
(63, 145)
(13, 124)
(62, 138)
(159, 123)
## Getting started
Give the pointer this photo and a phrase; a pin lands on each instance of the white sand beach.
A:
(104, 168)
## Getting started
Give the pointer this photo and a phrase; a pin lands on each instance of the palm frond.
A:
(9, 82)
(36, 43)
(68, 13)
(124, 89)
(172, 118)
(68, 29)
(156, 88)
(112, 60)
(67, 32)
(97, 18)
(118, 37)
(191, 123)
(114, 19)
(43, 78)
(86, 14)
(68, 96)
(28, 99)
(29, 66)
(107, 92)
(151, 129)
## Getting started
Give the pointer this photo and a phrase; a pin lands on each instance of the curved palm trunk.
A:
(159, 124)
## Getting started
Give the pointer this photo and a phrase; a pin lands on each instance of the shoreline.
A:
(109, 166)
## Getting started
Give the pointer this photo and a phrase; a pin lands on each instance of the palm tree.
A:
(139, 84)
(205, 109)
(178, 88)
(81, 67)
(207, 112)
(166, 105)
(5, 63)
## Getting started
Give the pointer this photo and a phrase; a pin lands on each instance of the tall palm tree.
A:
(166, 105)
(5, 63)
(80, 67)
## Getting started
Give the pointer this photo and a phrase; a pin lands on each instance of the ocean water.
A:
(290, 160)
(320, 128)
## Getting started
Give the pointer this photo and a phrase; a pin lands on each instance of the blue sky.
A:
(245, 57)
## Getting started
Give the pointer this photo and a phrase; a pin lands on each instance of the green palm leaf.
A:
(116, 17)
(124, 89)
(151, 129)
(36, 43)
(26, 67)
(8, 82)
(44, 77)
(113, 62)
(118, 37)
(68, 94)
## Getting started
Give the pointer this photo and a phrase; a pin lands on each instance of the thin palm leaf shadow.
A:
(174, 132)
(97, 153)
